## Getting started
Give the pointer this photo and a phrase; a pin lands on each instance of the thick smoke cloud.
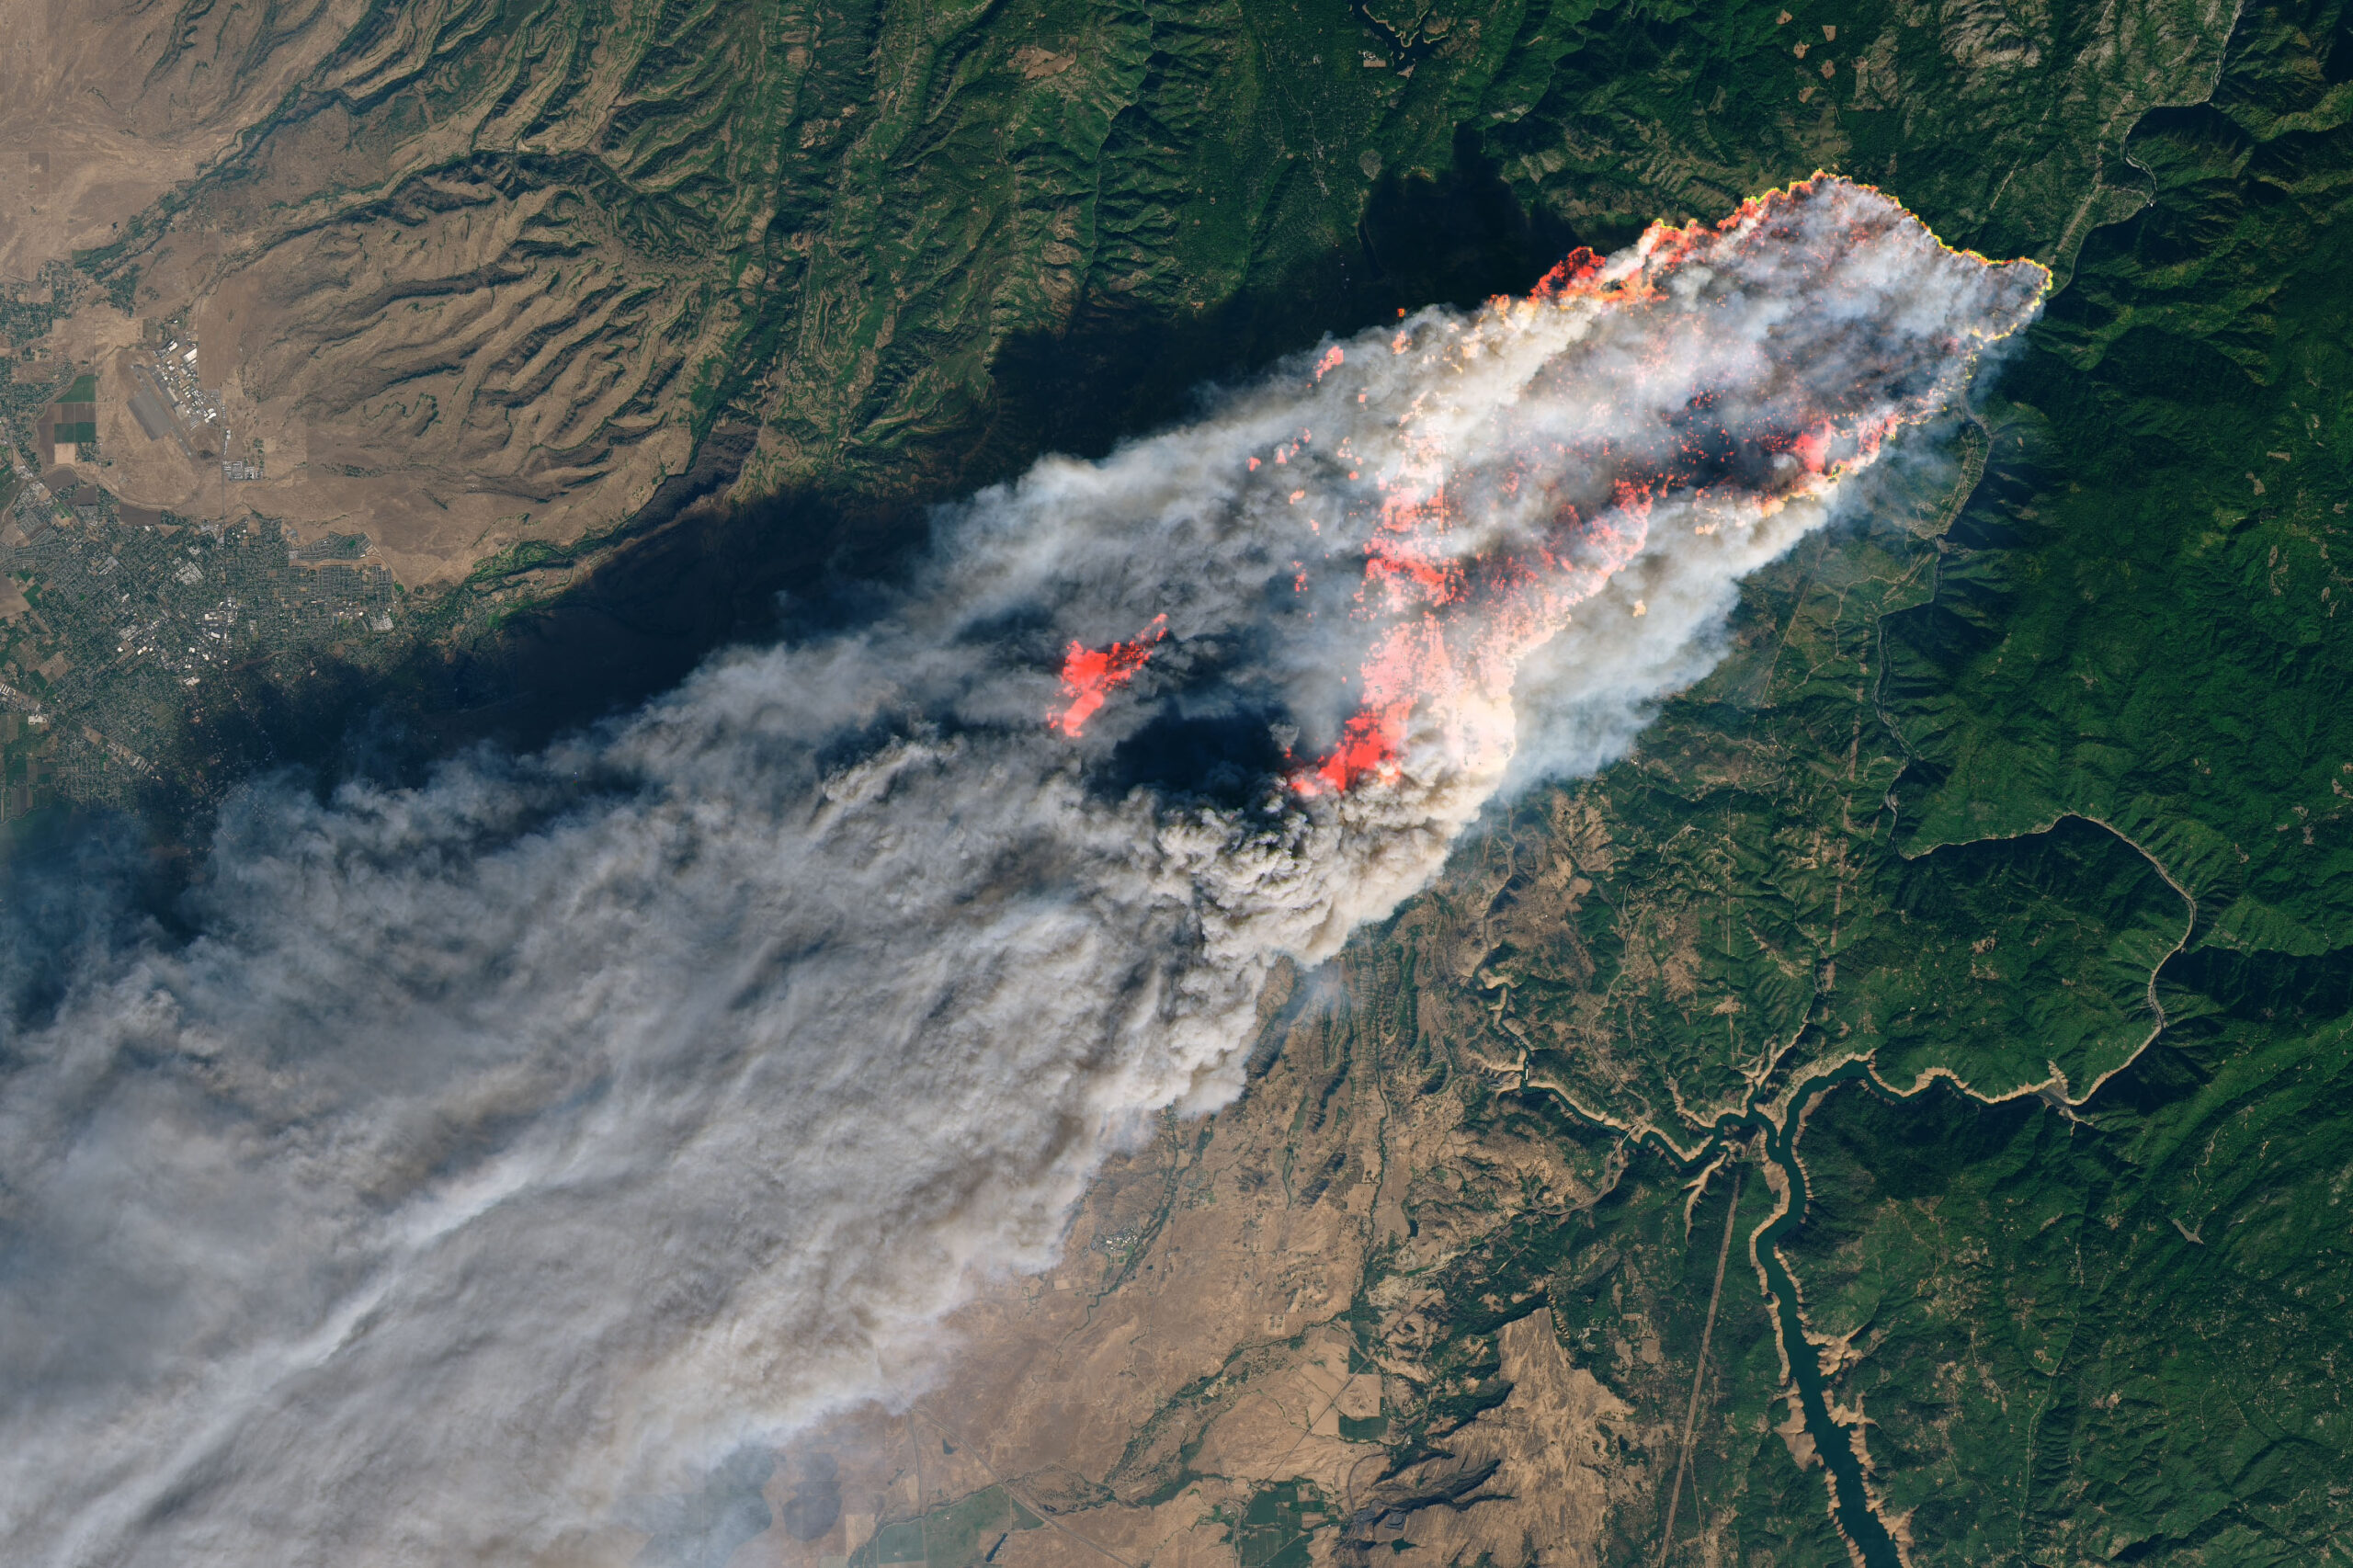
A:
(499, 1151)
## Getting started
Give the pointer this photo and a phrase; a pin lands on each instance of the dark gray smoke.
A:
(502, 1151)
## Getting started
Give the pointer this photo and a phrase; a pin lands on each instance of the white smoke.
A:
(500, 1149)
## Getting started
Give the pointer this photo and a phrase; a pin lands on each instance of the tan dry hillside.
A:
(1197, 1353)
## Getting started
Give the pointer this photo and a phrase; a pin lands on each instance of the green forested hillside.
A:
(2053, 804)
(840, 260)
(914, 243)
(1994, 900)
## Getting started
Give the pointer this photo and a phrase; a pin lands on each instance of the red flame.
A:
(1368, 744)
(1089, 675)
(1518, 602)
(1449, 626)
(1517, 599)
(1573, 271)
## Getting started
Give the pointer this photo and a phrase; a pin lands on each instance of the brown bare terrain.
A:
(1233, 1348)
(477, 275)
(480, 273)
(424, 360)
(106, 106)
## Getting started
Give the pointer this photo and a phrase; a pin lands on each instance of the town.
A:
(112, 618)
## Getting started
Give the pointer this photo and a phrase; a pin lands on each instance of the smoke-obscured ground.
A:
(473, 1158)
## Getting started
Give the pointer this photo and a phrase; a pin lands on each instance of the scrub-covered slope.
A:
(486, 290)
(511, 262)
(2039, 825)
(1983, 916)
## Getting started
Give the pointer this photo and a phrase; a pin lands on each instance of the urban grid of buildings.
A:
(113, 618)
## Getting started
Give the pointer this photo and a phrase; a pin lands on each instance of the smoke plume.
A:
(496, 1151)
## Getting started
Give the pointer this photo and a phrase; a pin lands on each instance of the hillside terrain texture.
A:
(1902, 1113)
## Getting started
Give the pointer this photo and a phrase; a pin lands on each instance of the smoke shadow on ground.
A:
(1226, 760)
(689, 575)
(72, 882)
(1453, 238)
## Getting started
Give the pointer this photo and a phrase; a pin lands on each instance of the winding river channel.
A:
(1775, 1141)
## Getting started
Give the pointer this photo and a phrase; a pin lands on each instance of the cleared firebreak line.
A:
(1699, 1373)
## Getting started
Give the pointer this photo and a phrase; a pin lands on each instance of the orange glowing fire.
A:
(1089, 675)
(1460, 627)
(1449, 621)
